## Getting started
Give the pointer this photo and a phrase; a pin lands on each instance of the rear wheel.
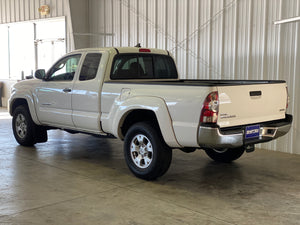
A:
(225, 155)
(146, 154)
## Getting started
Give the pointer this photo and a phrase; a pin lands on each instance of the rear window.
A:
(143, 66)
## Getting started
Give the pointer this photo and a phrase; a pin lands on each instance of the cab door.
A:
(54, 95)
(85, 94)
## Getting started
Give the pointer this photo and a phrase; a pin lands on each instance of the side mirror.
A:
(40, 74)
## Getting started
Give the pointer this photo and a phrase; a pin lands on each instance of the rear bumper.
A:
(215, 137)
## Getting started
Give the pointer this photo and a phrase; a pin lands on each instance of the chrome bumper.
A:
(214, 137)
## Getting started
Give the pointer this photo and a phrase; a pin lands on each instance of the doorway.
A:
(27, 46)
(50, 42)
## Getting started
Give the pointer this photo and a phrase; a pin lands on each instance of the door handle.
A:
(255, 93)
(67, 90)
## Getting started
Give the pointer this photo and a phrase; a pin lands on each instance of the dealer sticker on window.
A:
(252, 131)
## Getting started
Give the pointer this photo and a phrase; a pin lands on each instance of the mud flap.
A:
(41, 134)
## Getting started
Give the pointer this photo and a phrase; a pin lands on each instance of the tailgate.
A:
(250, 104)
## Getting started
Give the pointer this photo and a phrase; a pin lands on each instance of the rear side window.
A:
(143, 66)
(90, 66)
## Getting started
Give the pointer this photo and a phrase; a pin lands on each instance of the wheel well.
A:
(136, 116)
(18, 102)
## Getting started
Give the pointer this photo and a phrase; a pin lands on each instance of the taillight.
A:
(210, 108)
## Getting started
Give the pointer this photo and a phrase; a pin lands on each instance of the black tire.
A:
(23, 126)
(225, 155)
(146, 154)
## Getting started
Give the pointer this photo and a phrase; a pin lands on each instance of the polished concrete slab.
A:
(80, 179)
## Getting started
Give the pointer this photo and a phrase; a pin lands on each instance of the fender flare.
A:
(28, 97)
(154, 104)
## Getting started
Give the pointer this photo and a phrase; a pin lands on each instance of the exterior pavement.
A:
(80, 179)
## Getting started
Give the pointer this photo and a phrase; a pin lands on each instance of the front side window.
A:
(143, 66)
(65, 69)
(90, 66)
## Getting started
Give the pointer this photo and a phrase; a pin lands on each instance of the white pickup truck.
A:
(134, 94)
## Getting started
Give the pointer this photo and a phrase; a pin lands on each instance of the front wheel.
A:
(225, 155)
(146, 154)
(23, 126)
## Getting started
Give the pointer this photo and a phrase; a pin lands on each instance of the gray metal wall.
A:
(212, 39)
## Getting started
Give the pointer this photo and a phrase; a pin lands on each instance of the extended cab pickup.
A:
(134, 94)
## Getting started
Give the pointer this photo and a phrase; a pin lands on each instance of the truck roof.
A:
(126, 50)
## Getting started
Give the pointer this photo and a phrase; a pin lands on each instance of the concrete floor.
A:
(80, 179)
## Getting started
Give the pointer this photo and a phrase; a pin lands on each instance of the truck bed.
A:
(240, 102)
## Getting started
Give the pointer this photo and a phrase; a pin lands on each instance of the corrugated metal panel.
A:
(23, 10)
(214, 39)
